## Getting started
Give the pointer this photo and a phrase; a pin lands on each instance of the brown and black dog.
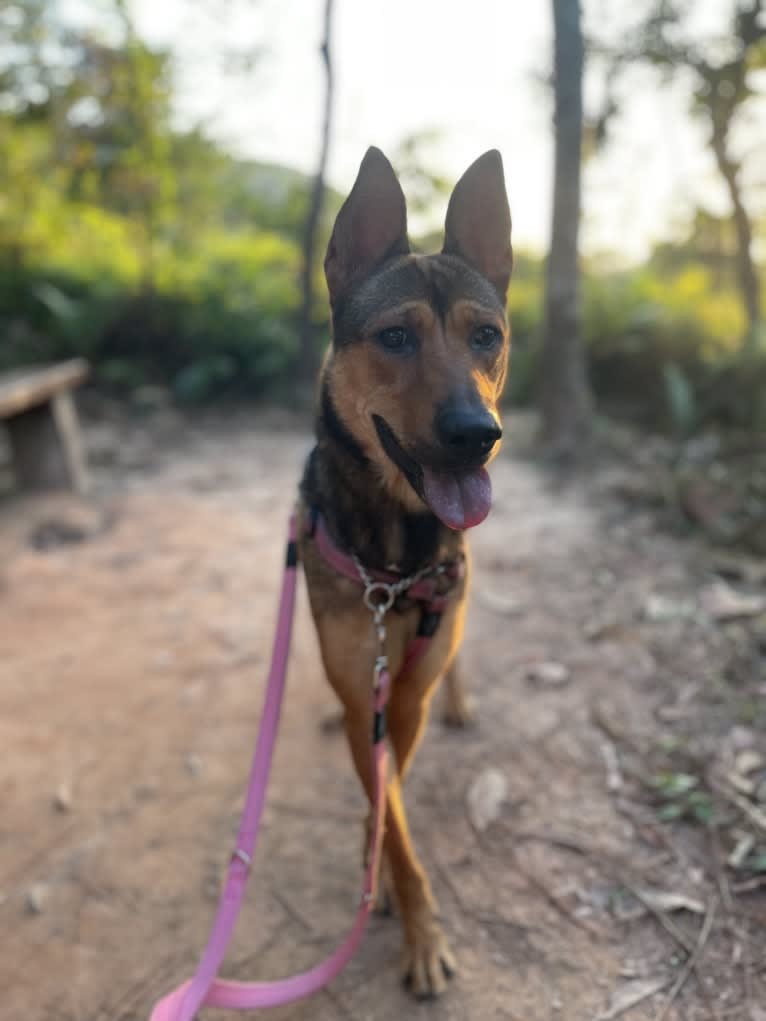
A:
(407, 422)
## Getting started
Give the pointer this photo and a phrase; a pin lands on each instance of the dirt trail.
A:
(131, 671)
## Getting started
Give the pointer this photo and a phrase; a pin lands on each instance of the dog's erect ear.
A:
(478, 224)
(371, 225)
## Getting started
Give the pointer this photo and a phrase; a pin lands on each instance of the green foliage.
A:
(682, 407)
(757, 862)
(220, 322)
(144, 249)
(525, 299)
(658, 339)
(663, 343)
(680, 796)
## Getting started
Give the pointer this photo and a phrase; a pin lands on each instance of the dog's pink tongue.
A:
(460, 501)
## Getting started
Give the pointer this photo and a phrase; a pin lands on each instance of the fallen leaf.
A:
(62, 799)
(485, 798)
(742, 849)
(748, 761)
(740, 783)
(721, 602)
(499, 602)
(549, 674)
(194, 764)
(37, 896)
(740, 568)
(662, 608)
(740, 738)
(631, 994)
(599, 628)
(612, 763)
(668, 900)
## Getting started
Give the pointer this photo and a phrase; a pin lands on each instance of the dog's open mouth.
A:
(460, 498)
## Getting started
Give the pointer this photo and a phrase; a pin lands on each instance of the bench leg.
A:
(47, 447)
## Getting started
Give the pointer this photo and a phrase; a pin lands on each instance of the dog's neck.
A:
(360, 515)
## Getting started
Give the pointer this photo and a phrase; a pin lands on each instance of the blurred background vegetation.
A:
(152, 251)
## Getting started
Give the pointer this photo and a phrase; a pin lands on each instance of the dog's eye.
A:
(397, 339)
(485, 338)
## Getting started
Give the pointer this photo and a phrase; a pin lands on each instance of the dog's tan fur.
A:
(368, 264)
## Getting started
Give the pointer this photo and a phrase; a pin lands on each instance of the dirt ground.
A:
(620, 704)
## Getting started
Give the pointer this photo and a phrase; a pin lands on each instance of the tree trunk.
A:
(309, 352)
(564, 392)
(746, 272)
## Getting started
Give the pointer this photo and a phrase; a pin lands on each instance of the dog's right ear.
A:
(371, 225)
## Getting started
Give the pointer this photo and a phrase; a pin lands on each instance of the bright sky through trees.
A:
(474, 72)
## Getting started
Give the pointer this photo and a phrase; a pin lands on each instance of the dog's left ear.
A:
(478, 224)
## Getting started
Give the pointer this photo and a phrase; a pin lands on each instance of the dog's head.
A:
(420, 342)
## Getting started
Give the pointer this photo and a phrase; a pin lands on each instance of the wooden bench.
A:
(40, 416)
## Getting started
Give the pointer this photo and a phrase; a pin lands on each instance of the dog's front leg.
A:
(428, 960)
(458, 705)
(348, 652)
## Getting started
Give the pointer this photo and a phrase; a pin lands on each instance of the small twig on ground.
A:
(628, 998)
(753, 814)
(245, 964)
(720, 874)
(615, 863)
(130, 999)
(748, 885)
(565, 843)
(339, 1004)
(691, 964)
(293, 913)
(684, 941)
(660, 835)
(594, 931)
(612, 764)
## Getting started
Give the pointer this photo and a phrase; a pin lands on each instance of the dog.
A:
(407, 422)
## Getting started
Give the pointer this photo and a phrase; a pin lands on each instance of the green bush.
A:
(663, 348)
(220, 320)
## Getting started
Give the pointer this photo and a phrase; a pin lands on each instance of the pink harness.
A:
(381, 590)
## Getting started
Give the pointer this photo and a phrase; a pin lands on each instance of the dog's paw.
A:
(428, 962)
(459, 711)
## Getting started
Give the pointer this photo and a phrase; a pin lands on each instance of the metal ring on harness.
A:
(375, 605)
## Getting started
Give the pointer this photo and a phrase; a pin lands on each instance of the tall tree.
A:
(89, 115)
(309, 352)
(130, 128)
(37, 53)
(722, 71)
(565, 396)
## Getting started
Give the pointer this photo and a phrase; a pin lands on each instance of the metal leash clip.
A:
(379, 597)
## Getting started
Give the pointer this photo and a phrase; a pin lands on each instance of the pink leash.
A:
(205, 989)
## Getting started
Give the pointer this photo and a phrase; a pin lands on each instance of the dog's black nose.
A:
(466, 431)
